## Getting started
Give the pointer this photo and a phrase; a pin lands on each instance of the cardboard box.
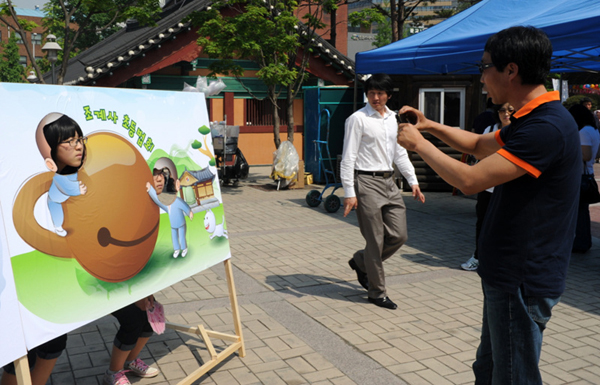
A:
(308, 178)
(300, 180)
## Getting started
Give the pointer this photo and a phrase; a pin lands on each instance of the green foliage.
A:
(96, 19)
(384, 36)
(267, 32)
(196, 145)
(464, 4)
(576, 99)
(204, 130)
(11, 70)
(264, 32)
(366, 17)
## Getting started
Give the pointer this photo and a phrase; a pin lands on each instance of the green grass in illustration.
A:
(61, 291)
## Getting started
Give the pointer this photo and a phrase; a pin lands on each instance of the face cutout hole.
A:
(41, 213)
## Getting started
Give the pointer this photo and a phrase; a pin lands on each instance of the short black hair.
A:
(380, 82)
(58, 131)
(527, 47)
(496, 108)
(583, 117)
(585, 99)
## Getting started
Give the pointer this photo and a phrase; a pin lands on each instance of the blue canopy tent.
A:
(456, 45)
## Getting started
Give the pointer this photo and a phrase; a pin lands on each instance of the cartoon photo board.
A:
(142, 211)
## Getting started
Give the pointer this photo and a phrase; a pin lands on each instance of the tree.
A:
(11, 70)
(8, 16)
(395, 14)
(80, 24)
(267, 32)
(464, 4)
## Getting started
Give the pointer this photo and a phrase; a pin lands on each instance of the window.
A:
(36, 38)
(23, 60)
(19, 39)
(260, 112)
(444, 105)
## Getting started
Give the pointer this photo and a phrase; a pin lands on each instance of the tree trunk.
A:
(400, 20)
(276, 137)
(272, 94)
(394, 18)
(290, 115)
(333, 27)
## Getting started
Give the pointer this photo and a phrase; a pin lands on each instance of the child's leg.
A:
(8, 379)
(8, 373)
(117, 359)
(175, 239)
(42, 370)
(133, 334)
(47, 355)
(181, 233)
(41, 362)
(56, 213)
(131, 321)
(135, 352)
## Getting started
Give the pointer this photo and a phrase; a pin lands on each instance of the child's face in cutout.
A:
(70, 152)
(159, 183)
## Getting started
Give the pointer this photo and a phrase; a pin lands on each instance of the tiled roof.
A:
(30, 12)
(203, 175)
(130, 43)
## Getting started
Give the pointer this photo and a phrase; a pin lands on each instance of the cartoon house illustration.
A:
(200, 183)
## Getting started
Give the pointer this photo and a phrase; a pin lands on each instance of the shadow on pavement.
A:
(300, 285)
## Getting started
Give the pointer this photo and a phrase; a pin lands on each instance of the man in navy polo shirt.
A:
(527, 235)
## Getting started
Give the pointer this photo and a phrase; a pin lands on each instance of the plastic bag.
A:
(215, 87)
(285, 163)
(202, 86)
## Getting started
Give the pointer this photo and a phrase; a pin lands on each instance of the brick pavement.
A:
(307, 321)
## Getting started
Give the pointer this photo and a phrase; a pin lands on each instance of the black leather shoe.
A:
(384, 302)
(362, 277)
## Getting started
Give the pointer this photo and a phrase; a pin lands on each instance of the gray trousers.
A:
(381, 217)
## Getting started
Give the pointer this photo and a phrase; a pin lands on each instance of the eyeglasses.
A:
(484, 66)
(75, 141)
(504, 110)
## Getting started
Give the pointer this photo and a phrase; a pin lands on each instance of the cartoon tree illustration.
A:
(204, 150)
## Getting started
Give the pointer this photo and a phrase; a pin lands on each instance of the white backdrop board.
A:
(117, 245)
(11, 332)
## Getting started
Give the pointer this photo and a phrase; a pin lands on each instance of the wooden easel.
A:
(236, 339)
(22, 371)
(22, 364)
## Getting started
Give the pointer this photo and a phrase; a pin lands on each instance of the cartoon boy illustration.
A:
(62, 145)
(176, 208)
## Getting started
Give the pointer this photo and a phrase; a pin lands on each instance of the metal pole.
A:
(33, 47)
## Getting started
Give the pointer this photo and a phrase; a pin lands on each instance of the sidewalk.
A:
(306, 320)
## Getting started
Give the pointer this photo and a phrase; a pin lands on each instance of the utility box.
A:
(339, 101)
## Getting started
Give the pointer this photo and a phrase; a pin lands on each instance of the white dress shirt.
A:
(370, 144)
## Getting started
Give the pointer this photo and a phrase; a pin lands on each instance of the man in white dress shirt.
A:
(370, 149)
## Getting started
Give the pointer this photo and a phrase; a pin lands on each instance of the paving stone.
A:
(290, 258)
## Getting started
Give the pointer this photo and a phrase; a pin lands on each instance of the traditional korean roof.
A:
(203, 175)
(135, 44)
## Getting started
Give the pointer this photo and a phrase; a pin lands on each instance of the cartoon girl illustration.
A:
(174, 206)
(62, 145)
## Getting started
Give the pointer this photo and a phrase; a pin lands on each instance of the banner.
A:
(108, 195)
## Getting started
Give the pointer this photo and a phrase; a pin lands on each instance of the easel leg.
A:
(22, 371)
(237, 339)
(237, 323)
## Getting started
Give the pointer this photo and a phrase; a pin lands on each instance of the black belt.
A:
(384, 174)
